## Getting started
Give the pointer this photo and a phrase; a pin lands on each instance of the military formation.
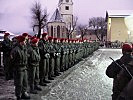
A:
(34, 62)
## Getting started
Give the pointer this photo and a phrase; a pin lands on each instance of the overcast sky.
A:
(15, 14)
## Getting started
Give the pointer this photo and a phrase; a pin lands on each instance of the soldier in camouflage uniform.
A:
(57, 57)
(63, 53)
(52, 58)
(6, 48)
(44, 63)
(66, 49)
(33, 64)
(70, 52)
(19, 58)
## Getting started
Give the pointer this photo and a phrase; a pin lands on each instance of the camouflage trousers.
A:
(20, 82)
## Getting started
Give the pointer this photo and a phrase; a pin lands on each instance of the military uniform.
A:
(62, 59)
(44, 67)
(20, 58)
(52, 52)
(57, 58)
(33, 64)
(6, 48)
(113, 69)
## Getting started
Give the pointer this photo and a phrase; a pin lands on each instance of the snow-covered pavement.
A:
(85, 81)
(88, 81)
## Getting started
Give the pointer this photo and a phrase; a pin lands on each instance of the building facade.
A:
(117, 30)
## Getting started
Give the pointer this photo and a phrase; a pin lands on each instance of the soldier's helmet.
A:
(127, 47)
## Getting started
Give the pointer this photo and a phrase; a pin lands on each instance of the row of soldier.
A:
(34, 61)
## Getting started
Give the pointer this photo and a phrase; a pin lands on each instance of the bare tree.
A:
(39, 17)
(83, 30)
(71, 27)
(99, 27)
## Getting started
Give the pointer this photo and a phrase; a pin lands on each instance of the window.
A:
(67, 0)
(52, 31)
(67, 7)
(58, 31)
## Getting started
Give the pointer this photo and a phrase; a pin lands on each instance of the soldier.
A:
(33, 64)
(44, 63)
(70, 46)
(52, 57)
(57, 57)
(63, 53)
(19, 58)
(27, 37)
(6, 48)
(125, 81)
(66, 49)
(113, 69)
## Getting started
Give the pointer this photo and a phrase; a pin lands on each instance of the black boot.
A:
(18, 98)
(50, 78)
(42, 83)
(46, 81)
(38, 88)
(25, 95)
(32, 90)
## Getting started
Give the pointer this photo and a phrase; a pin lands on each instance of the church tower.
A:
(66, 10)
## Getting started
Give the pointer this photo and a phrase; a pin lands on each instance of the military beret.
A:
(35, 40)
(25, 34)
(55, 38)
(61, 39)
(21, 38)
(50, 38)
(127, 47)
(29, 36)
(32, 37)
(65, 39)
(44, 34)
(6, 34)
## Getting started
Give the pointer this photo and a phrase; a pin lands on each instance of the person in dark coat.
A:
(19, 57)
(113, 69)
(125, 82)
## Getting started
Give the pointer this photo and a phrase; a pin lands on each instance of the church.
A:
(61, 19)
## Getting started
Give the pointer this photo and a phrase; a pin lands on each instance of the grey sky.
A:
(15, 14)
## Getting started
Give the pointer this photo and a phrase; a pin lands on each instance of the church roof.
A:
(56, 17)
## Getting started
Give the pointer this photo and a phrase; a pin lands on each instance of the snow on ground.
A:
(88, 81)
(84, 81)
